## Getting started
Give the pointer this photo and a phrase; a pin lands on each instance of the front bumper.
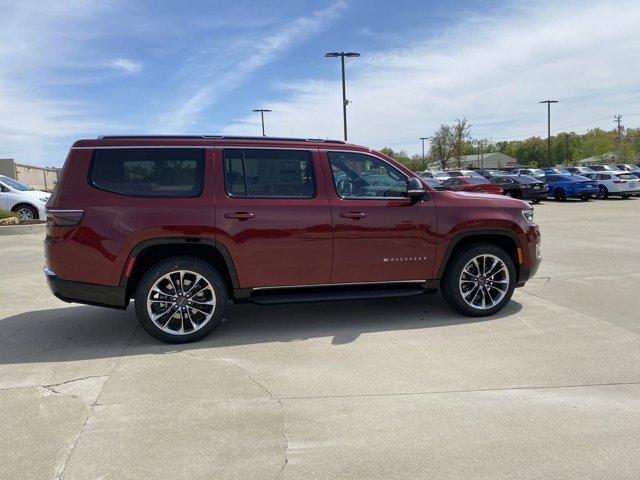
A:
(87, 293)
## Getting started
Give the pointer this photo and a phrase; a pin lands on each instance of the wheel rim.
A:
(484, 282)
(25, 214)
(181, 302)
(601, 192)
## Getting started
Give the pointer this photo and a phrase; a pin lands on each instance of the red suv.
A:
(186, 224)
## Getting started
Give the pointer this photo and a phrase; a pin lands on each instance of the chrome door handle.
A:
(240, 215)
(353, 215)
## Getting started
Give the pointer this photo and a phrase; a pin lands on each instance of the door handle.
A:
(353, 215)
(240, 215)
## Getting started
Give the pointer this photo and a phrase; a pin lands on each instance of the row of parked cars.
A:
(536, 184)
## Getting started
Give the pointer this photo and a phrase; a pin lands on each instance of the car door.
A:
(379, 234)
(4, 197)
(273, 216)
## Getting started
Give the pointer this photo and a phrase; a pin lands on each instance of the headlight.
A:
(528, 215)
(44, 199)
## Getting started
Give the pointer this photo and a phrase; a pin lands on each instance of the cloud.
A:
(221, 75)
(492, 70)
(125, 65)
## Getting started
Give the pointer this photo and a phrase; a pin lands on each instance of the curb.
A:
(22, 229)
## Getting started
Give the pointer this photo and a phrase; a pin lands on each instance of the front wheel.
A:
(26, 212)
(479, 280)
(559, 195)
(602, 192)
(180, 300)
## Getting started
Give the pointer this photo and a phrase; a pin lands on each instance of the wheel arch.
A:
(149, 252)
(505, 239)
(21, 203)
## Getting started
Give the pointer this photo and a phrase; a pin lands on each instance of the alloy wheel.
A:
(25, 213)
(484, 282)
(181, 302)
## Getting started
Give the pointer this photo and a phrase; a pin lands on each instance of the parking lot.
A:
(393, 388)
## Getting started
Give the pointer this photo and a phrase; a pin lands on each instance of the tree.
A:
(461, 134)
(442, 144)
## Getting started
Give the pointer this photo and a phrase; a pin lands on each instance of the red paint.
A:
(467, 184)
(282, 241)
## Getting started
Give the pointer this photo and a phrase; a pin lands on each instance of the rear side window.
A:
(149, 172)
(268, 173)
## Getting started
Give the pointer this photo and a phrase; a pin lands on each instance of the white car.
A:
(532, 172)
(23, 199)
(442, 176)
(614, 183)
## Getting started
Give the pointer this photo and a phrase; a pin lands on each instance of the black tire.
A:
(585, 198)
(559, 195)
(31, 213)
(190, 264)
(535, 200)
(450, 285)
(625, 196)
(603, 193)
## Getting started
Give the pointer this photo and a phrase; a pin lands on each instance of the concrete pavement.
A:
(394, 388)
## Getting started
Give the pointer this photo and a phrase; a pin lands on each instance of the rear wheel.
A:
(479, 280)
(559, 195)
(602, 192)
(585, 198)
(181, 299)
(535, 200)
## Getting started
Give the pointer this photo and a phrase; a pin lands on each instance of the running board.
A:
(291, 295)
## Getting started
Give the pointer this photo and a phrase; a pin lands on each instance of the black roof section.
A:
(220, 137)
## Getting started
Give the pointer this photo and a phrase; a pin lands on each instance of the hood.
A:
(34, 193)
(488, 199)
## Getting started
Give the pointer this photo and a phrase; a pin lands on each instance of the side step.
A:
(321, 294)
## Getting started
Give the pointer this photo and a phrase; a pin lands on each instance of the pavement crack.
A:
(62, 471)
(285, 438)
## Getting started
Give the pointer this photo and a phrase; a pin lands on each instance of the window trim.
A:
(246, 186)
(195, 195)
(384, 199)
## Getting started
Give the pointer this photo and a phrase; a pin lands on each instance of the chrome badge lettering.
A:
(404, 259)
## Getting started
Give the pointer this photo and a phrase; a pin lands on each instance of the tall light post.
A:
(345, 102)
(549, 102)
(424, 161)
(262, 110)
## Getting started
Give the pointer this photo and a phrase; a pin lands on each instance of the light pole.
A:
(345, 102)
(262, 110)
(424, 161)
(549, 102)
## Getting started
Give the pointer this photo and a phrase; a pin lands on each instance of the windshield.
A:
(478, 180)
(15, 184)
(527, 179)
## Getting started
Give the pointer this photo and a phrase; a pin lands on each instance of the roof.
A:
(220, 137)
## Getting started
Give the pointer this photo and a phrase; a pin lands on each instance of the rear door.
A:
(273, 216)
(380, 235)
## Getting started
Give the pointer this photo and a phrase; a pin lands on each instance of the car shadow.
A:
(83, 333)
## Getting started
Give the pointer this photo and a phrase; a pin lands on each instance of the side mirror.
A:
(415, 189)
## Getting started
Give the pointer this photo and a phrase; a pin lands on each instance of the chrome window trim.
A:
(141, 146)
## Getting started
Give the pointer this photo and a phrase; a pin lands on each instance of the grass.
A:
(7, 214)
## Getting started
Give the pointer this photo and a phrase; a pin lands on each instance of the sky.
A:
(74, 69)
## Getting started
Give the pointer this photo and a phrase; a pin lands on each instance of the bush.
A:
(7, 214)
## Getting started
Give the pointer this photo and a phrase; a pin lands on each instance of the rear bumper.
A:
(541, 194)
(87, 293)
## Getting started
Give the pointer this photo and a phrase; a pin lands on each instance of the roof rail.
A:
(226, 137)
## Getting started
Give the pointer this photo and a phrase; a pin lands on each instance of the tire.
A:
(456, 280)
(26, 212)
(535, 200)
(625, 196)
(197, 314)
(585, 198)
(603, 193)
(559, 195)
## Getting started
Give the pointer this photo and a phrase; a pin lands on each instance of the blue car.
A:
(563, 186)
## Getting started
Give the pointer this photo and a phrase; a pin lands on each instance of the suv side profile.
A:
(185, 225)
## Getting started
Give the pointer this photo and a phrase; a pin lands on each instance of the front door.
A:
(380, 235)
(273, 216)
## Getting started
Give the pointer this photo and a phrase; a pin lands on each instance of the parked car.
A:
(472, 184)
(185, 225)
(628, 167)
(555, 170)
(570, 185)
(522, 186)
(425, 174)
(433, 183)
(442, 176)
(488, 172)
(532, 172)
(463, 173)
(579, 170)
(623, 184)
(605, 168)
(21, 198)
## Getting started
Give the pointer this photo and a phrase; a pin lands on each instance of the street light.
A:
(262, 110)
(345, 102)
(549, 102)
(424, 162)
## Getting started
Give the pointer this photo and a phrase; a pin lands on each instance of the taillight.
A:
(64, 218)
(619, 181)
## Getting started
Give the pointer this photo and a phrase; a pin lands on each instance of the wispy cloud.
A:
(125, 65)
(219, 75)
(493, 70)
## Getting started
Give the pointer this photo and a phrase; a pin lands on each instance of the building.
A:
(486, 160)
(609, 157)
(39, 178)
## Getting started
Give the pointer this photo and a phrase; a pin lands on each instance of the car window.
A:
(357, 175)
(148, 172)
(267, 173)
(478, 180)
(626, 176)
(16, 185)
